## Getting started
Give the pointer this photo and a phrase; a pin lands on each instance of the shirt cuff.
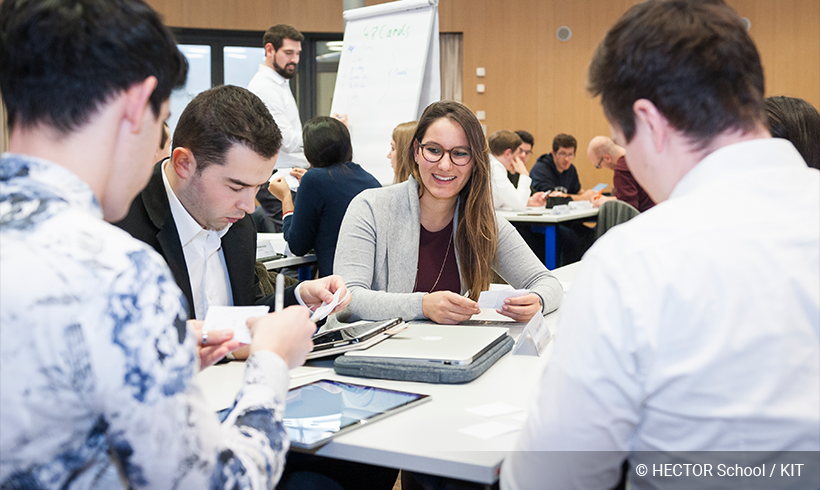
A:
(299, 296)
(285, 215)
(275, 371)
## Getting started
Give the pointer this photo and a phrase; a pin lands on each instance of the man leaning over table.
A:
(97, 382)
(690, 335)
(504, 157)
(195, 209)
(604, 153)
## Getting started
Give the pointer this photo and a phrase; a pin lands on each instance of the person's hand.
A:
(586, 195)
(298, 172)
(557, 194)
(521, 308)
(218, 346)
(537, 200)
(342, 118)
(447, 307)
(597, 201)
(279, 188)
(317, 292)
(519, 166)
(287, 333)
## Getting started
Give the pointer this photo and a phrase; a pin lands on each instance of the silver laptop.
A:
(445, 344)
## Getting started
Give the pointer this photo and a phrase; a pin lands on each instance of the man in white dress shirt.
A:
(689, 343)
(505, 157)
(283, 46)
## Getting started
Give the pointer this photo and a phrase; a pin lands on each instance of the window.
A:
(217, 57)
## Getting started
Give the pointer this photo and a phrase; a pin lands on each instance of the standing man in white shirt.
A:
(689, 341)
(283, 47)
(504, 157)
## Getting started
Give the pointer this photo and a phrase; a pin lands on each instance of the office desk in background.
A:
(543, 221)
(426, 438)
(279, 245)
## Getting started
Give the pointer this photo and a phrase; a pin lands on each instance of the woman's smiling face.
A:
(443, 180)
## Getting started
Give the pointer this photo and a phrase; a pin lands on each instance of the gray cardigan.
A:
(378, 250)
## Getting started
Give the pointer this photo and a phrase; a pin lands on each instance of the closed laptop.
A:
(444, 344)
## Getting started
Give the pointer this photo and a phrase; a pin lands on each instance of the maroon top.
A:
(627, 188)
(437, 268)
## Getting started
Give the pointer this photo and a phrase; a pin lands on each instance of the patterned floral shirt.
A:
(96, 384)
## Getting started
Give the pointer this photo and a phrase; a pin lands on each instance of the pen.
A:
(280, 293)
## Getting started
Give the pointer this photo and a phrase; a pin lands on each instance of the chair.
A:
(613, 213)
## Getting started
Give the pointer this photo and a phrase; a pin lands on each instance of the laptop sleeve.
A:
(423, 371)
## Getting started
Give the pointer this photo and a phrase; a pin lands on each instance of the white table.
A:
(425, 438)
(545, 222)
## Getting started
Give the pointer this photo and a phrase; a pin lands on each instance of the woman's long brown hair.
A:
(477, 232)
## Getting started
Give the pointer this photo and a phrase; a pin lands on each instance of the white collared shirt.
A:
(275, 92)
(693, 327)
(506, 196)
(204, 258)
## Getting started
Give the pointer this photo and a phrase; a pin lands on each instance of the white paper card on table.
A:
(493, 409)
(488, 430)
(233, 318)
(495, 299)
(324, 310)
(519, 417)
(560, 209)
(264, 249)
(534, 339)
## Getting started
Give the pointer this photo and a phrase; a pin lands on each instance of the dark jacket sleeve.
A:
(542, 178)
(301, 228)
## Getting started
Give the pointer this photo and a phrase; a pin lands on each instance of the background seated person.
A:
(504, 158)
(194, 210)
(398, 155)
(555, 170)
(525, 150)
(797, 121)
(325, 191)
(604, 153)
(427, 247)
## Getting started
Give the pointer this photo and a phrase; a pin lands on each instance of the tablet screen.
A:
(318, 411)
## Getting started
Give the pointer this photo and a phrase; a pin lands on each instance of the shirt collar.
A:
(728, 161)
(60, 181)
(272, 74)
(187, 226)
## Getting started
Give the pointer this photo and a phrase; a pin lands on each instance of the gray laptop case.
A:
(426, 372)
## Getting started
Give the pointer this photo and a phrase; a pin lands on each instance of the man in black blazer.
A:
(224, 149)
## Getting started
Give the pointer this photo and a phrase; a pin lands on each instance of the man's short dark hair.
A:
(692, 59)
(62, 59)
(278, 33)
(564, 141)
(526, 137)
(224, 116)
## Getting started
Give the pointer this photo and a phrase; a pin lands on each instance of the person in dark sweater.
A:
(555, 174)
(325, 191)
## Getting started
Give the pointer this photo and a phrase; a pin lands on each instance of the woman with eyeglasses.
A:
(427, 247)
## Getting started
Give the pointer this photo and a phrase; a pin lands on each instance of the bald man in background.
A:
(604, 153)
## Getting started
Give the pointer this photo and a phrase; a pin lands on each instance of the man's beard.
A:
(283, 70)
